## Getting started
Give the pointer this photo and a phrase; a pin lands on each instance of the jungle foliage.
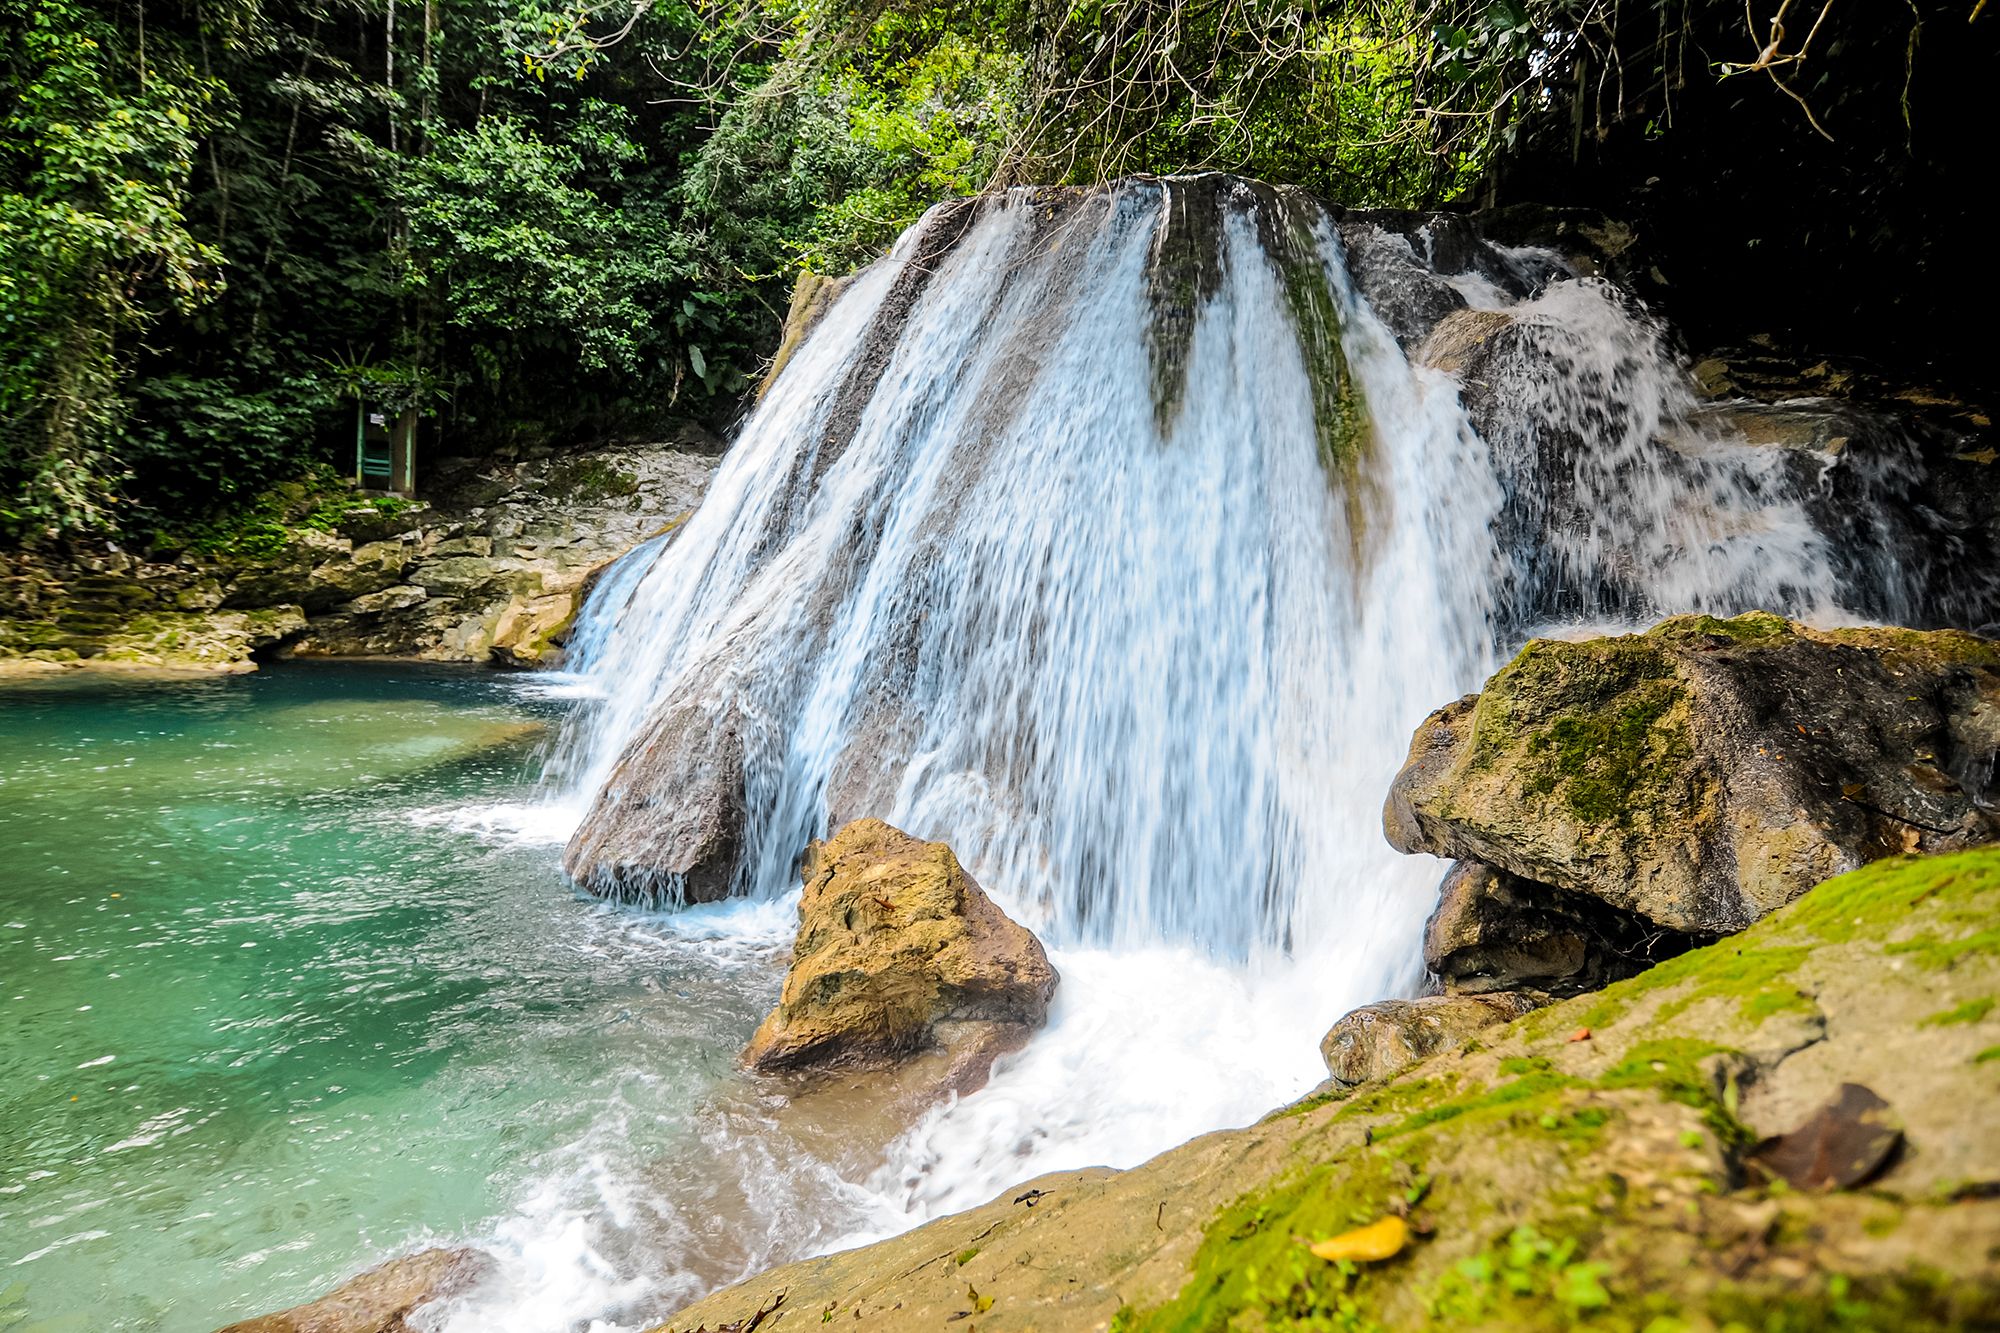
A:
(222, 221)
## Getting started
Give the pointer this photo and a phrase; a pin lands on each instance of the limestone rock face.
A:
(1382, 1039)
(381, 1299)
(1702, 774)
(895, 941)
(493, 571)
(667, 825)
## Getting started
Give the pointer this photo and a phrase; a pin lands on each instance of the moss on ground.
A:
(262, 526)
(1969, 1012)
(590, 479)
(1580, 1248)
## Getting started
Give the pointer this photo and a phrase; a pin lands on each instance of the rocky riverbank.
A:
(490, 567)
(1775, 1126)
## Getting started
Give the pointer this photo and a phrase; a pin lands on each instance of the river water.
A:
(272, 1004)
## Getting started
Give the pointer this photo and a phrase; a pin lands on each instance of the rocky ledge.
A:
(492, 567)
(1686, 1149)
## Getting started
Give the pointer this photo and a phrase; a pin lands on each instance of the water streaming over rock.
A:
(1114, 538)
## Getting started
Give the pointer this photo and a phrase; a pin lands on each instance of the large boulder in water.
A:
(382, 1299)
(668, 823)
(1706, 772)
(898, 951)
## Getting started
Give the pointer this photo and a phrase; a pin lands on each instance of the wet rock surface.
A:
(490, 569)
(1546, 1177)
(1702, 774)
(1904, 479)
(667, 826)
(381, 1300)
(899, 950)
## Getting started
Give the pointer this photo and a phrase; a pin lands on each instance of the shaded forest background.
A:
(221, 221)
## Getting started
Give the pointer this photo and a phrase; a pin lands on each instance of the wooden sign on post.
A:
(385, 449)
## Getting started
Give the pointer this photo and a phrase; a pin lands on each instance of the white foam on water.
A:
(1113, 1079)
(531, 823)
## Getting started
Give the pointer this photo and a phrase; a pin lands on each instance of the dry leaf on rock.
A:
(1370, 1244)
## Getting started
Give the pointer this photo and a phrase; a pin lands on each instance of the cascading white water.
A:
(1146, 656)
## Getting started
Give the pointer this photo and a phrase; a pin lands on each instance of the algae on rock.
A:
(1708, 771)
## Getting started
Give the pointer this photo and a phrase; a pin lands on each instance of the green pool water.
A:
(272, 1005)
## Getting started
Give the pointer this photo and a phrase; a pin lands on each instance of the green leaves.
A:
(94, 246)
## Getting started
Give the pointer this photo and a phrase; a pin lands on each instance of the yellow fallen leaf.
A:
(1376, 1241)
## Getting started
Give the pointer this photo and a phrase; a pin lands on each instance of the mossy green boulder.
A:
(1581, 1168)
(1708, 771)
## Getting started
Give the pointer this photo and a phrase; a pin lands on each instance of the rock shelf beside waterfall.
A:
(899, 950)
(491, 568)
(1707, 772)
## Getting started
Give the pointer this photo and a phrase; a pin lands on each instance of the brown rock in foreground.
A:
(381, 1299)
(896, 940)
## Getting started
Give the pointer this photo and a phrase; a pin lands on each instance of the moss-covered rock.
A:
(221, 641)
(1708, 771)
(896, 945)
(1549, 1179)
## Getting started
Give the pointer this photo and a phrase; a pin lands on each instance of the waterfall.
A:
(1120, 539)
(1112, 538)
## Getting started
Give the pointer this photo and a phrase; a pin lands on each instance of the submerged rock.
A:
(381, 1299)
(898, 951)
(1706, 772)
(1385, 1038)
(1545, 1182)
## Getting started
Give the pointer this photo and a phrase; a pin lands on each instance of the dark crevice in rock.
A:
(1493, 931)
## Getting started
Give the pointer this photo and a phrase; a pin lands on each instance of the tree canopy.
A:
(221, 221)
